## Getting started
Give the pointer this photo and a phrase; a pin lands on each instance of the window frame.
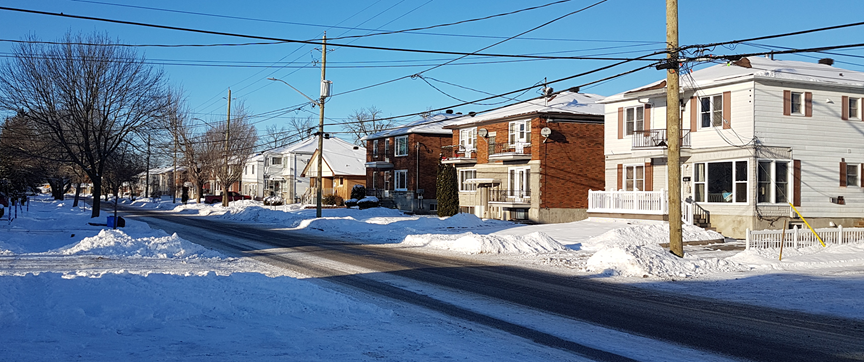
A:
(793, 95)
(400, 141)
(714, 112)
(396, 174)
(856, 167)
(854, 108)
(463, 187)
(771, 184)
(630, 124)
(705, 178)
(524, 182)
(468, 139)
(273, 161)
(374, 148)
(517, 135)
(624, 178)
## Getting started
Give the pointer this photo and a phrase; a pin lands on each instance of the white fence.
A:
(636, 202)
(802, 238)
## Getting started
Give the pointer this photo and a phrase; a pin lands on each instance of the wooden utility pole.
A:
(673, 127)
(227, 134)
(318, 179)
(147, 180)
(174, 171)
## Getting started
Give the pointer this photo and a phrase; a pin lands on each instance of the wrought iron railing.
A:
(509, 195)
(458, 151)
(507, 148)
(657, 138)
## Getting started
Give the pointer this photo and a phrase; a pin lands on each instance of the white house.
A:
(253, 177)
(282, 168)
(757, 135)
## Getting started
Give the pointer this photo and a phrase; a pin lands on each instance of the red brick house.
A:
(532, 161)
(401, 164)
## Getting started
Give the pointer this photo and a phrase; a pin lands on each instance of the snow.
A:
(141, 293)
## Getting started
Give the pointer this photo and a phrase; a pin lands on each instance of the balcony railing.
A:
(459, 151)
(644, 202)
(652, 138)
(511, 149)
(517, 196)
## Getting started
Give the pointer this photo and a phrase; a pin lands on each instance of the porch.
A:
(652, 205)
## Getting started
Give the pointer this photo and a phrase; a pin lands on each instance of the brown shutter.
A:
(844, 108)
(787, 103)
(647, 117)
(620, 123)
(694, 114)
(796, 182)
(808, 104)
(649, 177)
(620, 177)
(727, 110)
(842, 174)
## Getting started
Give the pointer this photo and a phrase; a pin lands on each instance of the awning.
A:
(276, 178)
(481, 181)
(379, 164)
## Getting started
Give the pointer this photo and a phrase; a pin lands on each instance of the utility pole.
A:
(174, 171)
(673, 127)
(227, 134)
(318, 179)
(147, 180)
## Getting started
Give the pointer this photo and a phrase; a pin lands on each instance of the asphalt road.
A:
(735, 330)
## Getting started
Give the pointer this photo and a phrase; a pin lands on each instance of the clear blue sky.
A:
(616, 28)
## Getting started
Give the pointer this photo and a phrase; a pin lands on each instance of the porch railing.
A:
(517, 148)
(657, 138)
(509, 195)
(629, 202)
(801, 238)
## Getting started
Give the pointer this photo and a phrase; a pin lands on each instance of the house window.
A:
(520, 132)
(853, 108)
(276, 161)
(519, 182)
(253, 169)
(401, 146)
(722, 182)
(634, 119)
(386, 146)
(711, 111)
(341, 181)
(773, 180)
(467, 140)
(796, 103)
(467, 175)
(375, 148)
(634, 178)
(401, 180)
(246, 170)
(387, 179)
(852, 176)
(465, 209)
(518, 214)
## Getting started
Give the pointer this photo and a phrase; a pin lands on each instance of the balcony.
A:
(457, 154)
(656, 138)
(510, 198)
(509, 152)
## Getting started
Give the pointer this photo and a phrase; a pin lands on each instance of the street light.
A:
(325, 92)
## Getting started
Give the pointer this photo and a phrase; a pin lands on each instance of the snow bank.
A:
(809, 258)
(118, 243)
(471, 243)
(635, 251)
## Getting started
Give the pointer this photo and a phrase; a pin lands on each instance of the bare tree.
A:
(236, 139)
(364, 122)
(295, 129)
(28, 159)
(86, 95)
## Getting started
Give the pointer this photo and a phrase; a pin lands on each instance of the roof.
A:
(429, 125)
(565, 103)
(341, 158)
(306, 146)
(752, 68)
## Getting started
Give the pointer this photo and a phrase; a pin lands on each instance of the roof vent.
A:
(826, 61)
(449, 111)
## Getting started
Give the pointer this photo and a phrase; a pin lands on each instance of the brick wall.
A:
(571, 162)
(429, 156)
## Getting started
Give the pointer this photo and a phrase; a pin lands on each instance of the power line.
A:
(834, 27)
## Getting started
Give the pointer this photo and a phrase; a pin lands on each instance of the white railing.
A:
(802, 238)
(629, 202)
(687, 212)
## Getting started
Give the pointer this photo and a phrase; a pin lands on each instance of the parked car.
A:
(232, 196)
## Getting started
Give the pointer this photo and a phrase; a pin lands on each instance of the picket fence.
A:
(802, 238)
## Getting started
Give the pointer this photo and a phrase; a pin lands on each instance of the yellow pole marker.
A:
(808, 225)
(783, 238)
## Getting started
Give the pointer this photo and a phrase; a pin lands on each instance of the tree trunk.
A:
(77, 194)
(97, 194)
(56, 188)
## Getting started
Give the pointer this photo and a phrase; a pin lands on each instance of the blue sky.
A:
(615, 28)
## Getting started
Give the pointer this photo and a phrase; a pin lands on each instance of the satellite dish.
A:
(482, 132)
(547, 91)
(545, 132)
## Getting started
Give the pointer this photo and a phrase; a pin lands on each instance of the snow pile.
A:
(118, 243)
(635, 251)
(471, 243)
(808, 258)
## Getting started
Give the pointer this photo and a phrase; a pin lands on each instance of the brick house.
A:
(401, 164)
(532, 161)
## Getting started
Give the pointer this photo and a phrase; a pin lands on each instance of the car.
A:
(232, 196)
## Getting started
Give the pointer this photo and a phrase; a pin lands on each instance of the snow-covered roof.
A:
(566, 102)
(748, 69)
(341, 157)
(430, 125)
(306, 146)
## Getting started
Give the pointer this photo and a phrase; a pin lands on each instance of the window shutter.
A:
(727, 110)
(844, 108)
(842, 174)
(649, 177)
(646, 117)
(620, 122)
(694, 113)
(787, 103)
(808, 104)
(620, 177)
(796, 182)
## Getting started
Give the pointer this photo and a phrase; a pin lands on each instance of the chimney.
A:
(449, 111)
(826, 61)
